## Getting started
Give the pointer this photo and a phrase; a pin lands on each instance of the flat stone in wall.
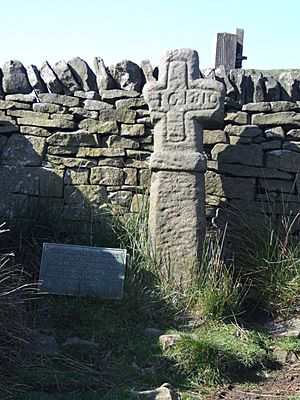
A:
(239, 154)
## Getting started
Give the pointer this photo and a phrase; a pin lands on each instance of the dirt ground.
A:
(281, 384)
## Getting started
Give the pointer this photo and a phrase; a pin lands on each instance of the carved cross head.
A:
(180, 95)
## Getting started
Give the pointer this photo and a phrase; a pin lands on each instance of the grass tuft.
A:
(218, 353)
(270, 257)
(14, 329)
(218, 292)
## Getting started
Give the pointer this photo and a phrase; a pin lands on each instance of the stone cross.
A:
(180, 103)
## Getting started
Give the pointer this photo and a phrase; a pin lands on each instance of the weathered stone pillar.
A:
(179, 102)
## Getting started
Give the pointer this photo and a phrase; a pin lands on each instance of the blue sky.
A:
(37, 30)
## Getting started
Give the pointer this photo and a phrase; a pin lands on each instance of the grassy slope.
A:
(125, 359)
(273, 72)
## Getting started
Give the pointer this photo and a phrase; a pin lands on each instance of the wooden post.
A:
(229, 50)
(239, 48)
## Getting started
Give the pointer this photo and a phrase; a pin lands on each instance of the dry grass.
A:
(13, 328)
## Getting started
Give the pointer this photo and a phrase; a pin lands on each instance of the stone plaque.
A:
(82, 270)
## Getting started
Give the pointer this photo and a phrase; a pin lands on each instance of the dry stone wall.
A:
(72, 140)
(254, 162)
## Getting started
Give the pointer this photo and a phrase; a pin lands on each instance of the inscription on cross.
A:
(180, 95)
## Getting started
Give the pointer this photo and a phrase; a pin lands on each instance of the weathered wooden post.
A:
(179, 103)
(229, 50)
(239, 48)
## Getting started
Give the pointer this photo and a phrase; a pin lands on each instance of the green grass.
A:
(274, 72)
(213, 290)
(119, 363)
(216, 291)
(112, 395)
(269, 258)
(289, 343)
(44, 396)
(124, 358)
(218, 353)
